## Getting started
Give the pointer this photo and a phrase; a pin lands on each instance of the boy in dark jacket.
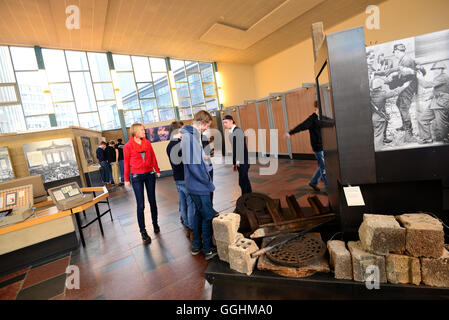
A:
(199, 183)
(174, 152)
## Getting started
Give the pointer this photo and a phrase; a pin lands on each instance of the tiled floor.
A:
(119, 266)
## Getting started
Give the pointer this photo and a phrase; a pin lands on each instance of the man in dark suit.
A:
(240, 159)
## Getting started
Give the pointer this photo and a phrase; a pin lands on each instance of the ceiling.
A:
(235, 31)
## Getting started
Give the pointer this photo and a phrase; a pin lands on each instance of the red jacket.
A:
(135, 163)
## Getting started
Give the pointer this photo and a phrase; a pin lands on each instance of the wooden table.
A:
(46, 211)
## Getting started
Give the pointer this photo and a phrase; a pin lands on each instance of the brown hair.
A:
(111, 143)
(202, 116)
(175, 125)
(134, 128)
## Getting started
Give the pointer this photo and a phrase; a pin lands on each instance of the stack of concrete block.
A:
(425, 240)
(225, 228)
(240, 256)
(381, 234)
(403, 269)
(362, 261)
(340, 259)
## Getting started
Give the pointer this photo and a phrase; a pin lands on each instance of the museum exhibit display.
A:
(87, 150)
(409, 89)
(6, 169)
(15, 204)
(39, 192)
(68, 196)
(389, 180)
(53, 159)
(157, 134)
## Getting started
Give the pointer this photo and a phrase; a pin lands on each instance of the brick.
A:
(340, 259)
(435, 272)
(223, 247)
(361, 260)
(403, 269)
(240, 256)
(225, 227)
(424, 235)
(381, 234)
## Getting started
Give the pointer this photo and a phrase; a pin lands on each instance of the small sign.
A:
(354, 196)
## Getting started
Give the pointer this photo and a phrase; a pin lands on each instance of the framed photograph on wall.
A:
(409, 89)
(157, 134)
(53, 159)
(87, 150)
(6, 170)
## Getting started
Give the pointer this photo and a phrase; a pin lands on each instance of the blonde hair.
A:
(202, 116)
(134, 128)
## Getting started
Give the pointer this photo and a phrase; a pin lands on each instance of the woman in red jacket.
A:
(141, 161)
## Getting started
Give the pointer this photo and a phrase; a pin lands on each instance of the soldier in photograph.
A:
(404, 71)
(379, 96)
(439, 104)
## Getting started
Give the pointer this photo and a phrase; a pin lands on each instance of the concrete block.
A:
(340, 259)
(381, 234)
(225, 226)
(361, 260)
(435, 272)
(223, 247)
(240, 256)
(424, 235)
(403, 269)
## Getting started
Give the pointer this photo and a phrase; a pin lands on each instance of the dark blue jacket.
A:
(196, 177)
(100, 154)
(178, 168)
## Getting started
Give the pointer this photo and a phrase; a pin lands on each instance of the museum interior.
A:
(337, 185)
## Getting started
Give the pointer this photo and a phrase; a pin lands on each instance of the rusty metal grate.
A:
(296, 253)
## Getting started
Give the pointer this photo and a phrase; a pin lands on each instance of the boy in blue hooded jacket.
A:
(199, 183)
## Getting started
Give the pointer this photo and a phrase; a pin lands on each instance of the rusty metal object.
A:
(317, 206)
(294, 206)
(296, 225)
(298, 252)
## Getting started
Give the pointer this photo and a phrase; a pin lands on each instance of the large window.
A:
(77, 87)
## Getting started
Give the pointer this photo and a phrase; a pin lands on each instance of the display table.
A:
(48, 231)
(265, 285)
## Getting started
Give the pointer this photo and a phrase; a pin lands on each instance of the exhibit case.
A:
(404, 175)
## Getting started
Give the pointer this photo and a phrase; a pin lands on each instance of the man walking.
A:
(313, 124)
(240, 159)
(120, 159)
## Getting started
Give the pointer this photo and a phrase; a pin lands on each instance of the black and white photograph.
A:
(87, 150)
(6, 172)
(53, 159)
(409, 88)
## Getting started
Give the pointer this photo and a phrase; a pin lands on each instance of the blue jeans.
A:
(121, 165)
(104, 171)
(202, 222)
(139, 182)
(111, 179)
(320, 172)
(186, 204)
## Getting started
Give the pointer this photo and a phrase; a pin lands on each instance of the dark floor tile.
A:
(10, 291)
(117, 264)
(44, 290)
(12, 280)
(150, 257)
(45, 272)
(13, 274)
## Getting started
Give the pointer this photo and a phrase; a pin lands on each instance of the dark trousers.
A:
(211, 173)
(104, 171)
(404, 101)
(244, 183)
(139, 182)
(202, 222)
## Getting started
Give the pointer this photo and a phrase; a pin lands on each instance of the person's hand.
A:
(158, 175)
(127, 184)
(287, 135)
(234, 167)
